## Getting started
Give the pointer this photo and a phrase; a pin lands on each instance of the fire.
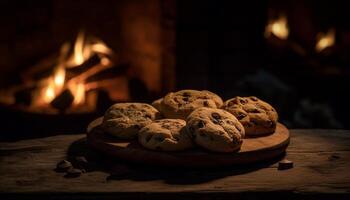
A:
(78, 91)
(59, 77)
(54, 85)
(49, 93)
(278, 27)
(325, 40)
(57, 82)
(84, 49)
(81, 52)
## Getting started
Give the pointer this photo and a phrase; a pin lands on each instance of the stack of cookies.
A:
(188, 118)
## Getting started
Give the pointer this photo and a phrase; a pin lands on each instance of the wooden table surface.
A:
(321, 171)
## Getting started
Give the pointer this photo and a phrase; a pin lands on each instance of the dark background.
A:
(217, 45)
(222, 45)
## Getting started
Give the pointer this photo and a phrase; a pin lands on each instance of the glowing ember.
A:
(277, 27)
(49, 93)
(325, 40)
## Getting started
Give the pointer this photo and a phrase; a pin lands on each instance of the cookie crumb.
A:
(63, 166)
(285, 164)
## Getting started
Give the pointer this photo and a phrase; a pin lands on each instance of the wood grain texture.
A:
(321, 171)
(252, 150)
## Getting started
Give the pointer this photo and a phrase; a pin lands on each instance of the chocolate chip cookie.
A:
(178, 105)
(165, 135)
(215, 129)
(124, 120)
(257, 116)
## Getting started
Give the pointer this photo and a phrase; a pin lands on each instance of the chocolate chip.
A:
(63, 166)
(167, 126)
(254, 110)
(216, 118)
(159, 138)
(132, 106)
(285, 164)
(205, 103)
(191, 129)
(201, 124)
(216, 115)
(73, 173)
(186, 94)
(136, 126)
(241, 116)
(229, 122)
(81, 162)
(176, 138)
(215, 121)
(243, 101)
(231, 103)
(185, 98)
(148, 116)
(176, 100)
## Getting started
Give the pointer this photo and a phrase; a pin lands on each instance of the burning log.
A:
(67, 81)
(91, 62)
(63, 100)
(109, 73)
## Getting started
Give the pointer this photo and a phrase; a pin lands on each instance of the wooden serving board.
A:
(252, 150)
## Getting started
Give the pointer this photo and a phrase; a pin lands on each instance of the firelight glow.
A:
(325, 40)
(278, 27)
(49, 93)
(82, 50)
(79, 94)
(59, 77)
(79, 49)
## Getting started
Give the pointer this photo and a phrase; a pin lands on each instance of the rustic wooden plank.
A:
(321, 162)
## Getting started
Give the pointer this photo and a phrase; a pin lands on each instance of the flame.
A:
(101, 47)
(79, 57)
(278, 27)
(59, 77)
(83, 49)
(325, 40)
(49, 93)
(78, 91)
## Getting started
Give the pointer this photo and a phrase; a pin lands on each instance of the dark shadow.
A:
(121, 169)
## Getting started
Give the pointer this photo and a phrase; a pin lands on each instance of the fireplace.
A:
(65, 62)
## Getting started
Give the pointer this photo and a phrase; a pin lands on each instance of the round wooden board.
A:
(252, 150)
